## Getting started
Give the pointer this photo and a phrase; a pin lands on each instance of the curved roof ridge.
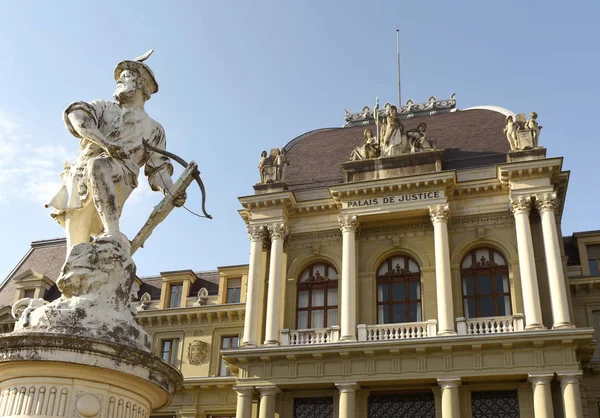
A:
(499, 109)
(293, 142)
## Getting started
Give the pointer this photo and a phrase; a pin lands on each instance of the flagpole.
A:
(398, 51)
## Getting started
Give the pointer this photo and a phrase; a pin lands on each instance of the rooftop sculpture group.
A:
(272, 166)
(521, 133)
(116, 139)
(392, 139)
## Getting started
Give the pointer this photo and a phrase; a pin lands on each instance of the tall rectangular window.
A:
(593, 254)
(234, 287)
(227, 342)
(175, 293)
(168, 350)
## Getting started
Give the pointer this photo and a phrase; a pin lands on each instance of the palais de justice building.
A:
(408, 264)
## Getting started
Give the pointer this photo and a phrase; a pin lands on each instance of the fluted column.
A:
(546, 205)
(520, 207)
(450, 399)
(569, 384)
(349, 225)
(542, 397)
(440, 216)
(268, 395)
(244, 401)
(256, 234)
(347, 407)
(278, 233)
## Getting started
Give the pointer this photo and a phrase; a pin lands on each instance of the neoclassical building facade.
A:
(408, 264)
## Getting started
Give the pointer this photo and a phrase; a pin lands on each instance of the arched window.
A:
(317, 305)
(398, 291)
(485, 286)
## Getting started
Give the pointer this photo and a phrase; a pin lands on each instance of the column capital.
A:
(348, 223)
(268, 390)
(347, 387)
(546, 202)
(256, 232)
(278, 230)
(449, 383)
(569, 377)
(520, 205)
(540, 378)
(439, 213)
(244, 390)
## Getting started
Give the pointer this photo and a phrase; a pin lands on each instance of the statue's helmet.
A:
(137, 64)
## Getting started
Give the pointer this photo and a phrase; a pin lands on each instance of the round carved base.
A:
(49, 375)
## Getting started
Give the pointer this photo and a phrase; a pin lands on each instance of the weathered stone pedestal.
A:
(52, 375)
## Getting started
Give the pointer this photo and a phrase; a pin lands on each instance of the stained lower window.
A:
(317, 304)
(495, 404)
(398, 291)
(313, 408)
(485, 284)
(402, 405)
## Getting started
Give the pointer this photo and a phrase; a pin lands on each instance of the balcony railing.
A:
(386, 332)
(310, 336)
(491, 325)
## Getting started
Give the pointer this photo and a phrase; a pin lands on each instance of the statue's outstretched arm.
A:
(85, 125)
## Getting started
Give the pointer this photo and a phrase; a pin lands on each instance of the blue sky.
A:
(238, 77)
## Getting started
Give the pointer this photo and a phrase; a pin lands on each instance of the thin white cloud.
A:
(31, 172)
(27, 171)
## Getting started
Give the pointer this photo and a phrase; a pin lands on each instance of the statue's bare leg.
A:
(104, 194)
(78, 225)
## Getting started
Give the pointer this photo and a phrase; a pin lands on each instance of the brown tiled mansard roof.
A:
(470, 138)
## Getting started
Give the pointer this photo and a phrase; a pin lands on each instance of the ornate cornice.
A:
(408, 111)
(520, 205)
(278, 230)
(546, 202)
(439, 213)
(348, 223)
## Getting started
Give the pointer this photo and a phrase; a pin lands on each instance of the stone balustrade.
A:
(310, 336)
(491, 325)
(409, 330)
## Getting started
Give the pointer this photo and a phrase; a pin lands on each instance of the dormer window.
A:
(175, 293)
(593, 254)
(29, 293)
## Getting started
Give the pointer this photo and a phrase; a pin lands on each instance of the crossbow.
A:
(195, 173)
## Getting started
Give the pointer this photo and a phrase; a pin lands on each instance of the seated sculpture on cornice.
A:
(370, 149)
(418, 139)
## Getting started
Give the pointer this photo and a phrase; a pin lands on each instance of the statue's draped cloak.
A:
(127, 128)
